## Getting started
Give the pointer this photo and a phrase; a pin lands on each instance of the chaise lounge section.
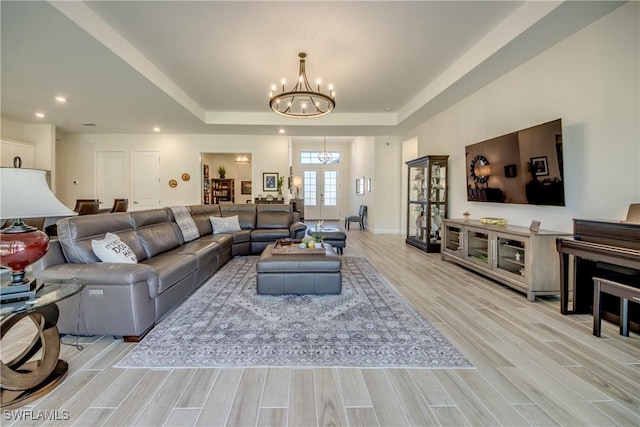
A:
(127, 300)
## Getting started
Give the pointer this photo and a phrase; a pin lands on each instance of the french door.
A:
(320, 191)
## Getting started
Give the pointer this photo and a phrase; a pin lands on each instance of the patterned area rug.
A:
(226, 324)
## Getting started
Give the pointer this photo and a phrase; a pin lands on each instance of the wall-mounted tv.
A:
(521, 167)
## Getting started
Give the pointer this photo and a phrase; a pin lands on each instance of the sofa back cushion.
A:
(201, 215)
(274, 216)
(156, 231)
(75, 235)
(246, 214)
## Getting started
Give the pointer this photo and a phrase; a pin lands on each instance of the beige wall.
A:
(75, 156)
(591, 81)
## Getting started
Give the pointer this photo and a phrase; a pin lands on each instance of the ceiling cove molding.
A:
(90, 22)
(517, 23)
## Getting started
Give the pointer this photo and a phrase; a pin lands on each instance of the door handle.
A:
(135, 203)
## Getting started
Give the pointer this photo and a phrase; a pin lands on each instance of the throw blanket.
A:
(185, 222)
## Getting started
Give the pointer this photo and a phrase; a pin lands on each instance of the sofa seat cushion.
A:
(204, 251)
(172, 267)
(269, 235)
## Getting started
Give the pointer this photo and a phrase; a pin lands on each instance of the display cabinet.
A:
(427, 203)
(516, 256)
(222, 190)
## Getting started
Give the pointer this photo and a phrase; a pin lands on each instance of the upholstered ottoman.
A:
(333, 236)
(312, 273)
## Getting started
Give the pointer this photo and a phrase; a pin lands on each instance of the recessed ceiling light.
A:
(156, 129)
(387, 108)
(281, 131)
(88, 124)
(60, 99)
(40, 115)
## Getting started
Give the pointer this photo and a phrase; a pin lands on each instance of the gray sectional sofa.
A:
(128, 299)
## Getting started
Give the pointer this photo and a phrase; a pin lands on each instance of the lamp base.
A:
(20, 246)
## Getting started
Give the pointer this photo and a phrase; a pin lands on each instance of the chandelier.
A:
(302, 101)
(325, 156)
(242, 159)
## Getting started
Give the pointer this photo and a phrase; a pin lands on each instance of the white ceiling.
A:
(207, 66)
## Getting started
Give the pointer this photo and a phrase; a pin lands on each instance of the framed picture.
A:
(270, 181)
(540, 165)
(245, 187)
(360, 186)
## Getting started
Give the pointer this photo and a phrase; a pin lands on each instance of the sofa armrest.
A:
(297, 230)
(104, 274)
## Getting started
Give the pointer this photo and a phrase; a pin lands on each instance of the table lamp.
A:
(24, 193)
(297, 182)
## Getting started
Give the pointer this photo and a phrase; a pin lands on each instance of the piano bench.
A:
(625, 293)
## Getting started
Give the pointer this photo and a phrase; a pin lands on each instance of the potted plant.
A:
(222, 171)
(280, 183)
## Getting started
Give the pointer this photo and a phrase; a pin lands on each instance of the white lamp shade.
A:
(24, 193)
(297, 181)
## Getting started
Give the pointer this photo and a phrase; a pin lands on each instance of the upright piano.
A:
(607, 249)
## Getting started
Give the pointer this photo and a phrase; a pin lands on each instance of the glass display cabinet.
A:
(427, 203)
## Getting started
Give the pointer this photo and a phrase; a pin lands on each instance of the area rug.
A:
(226, 324)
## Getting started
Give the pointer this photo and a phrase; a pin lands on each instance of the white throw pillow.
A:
(225, 224)
(112, 249)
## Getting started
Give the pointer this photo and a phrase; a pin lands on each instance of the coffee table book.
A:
(9, 292)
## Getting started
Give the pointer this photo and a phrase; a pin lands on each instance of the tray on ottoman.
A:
(290, 247)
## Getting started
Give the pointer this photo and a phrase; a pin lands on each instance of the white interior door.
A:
(110, 177)
(321, 190)
(146, 180)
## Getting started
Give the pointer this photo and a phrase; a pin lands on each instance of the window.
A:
(311, 158)
(309, 189)
(330, 188)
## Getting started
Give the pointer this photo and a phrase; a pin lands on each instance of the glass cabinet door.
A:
(417, 226)
(478, 246)
(417, 183)
(438, 198)
(453, 239)
(511, 255)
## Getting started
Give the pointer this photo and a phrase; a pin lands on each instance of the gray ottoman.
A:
(313, 273)
(333, 236)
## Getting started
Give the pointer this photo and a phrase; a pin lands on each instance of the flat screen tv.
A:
(521, 167)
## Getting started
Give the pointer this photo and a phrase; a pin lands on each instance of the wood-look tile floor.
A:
(533, 366)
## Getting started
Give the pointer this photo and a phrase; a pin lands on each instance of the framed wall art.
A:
(360, 186)
(245, 187)
(540, 165)
(270, 181)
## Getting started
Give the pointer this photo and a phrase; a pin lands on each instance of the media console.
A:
(516, 256)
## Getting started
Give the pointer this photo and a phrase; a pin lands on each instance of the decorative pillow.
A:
(112, 249)
(225, 224)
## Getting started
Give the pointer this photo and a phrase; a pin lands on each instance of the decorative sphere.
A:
(302, 246)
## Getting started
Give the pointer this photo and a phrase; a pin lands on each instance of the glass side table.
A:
(23, 380)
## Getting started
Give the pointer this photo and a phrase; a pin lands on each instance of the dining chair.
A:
(87, 206)
(120, 205)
